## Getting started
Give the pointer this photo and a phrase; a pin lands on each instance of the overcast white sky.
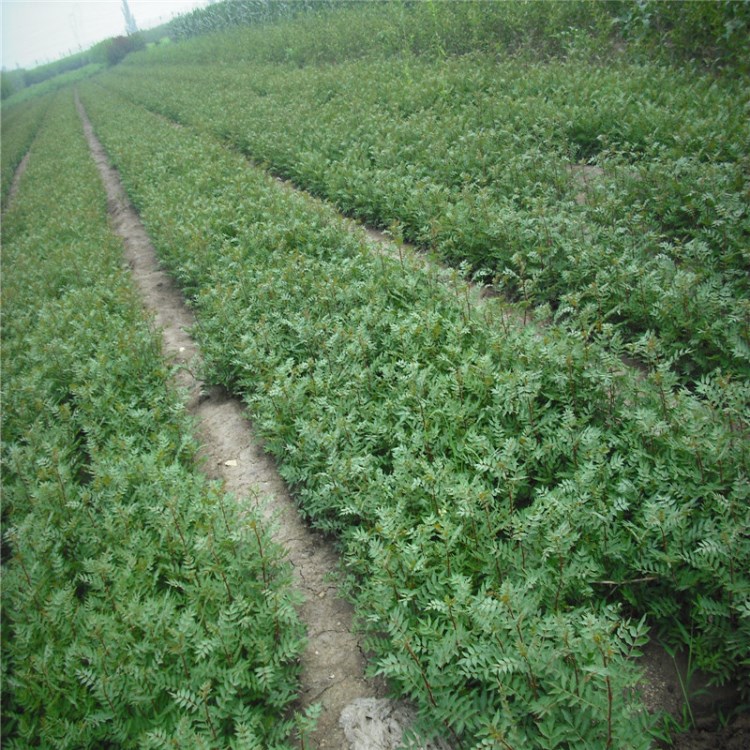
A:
(39, 31)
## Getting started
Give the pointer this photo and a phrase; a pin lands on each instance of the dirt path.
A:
(333, 663)
(17, 175)
(382, 242)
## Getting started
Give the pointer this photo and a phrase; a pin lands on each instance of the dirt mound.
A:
(735, 736)
(372, 724)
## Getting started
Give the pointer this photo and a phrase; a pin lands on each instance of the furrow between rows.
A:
(333, 662)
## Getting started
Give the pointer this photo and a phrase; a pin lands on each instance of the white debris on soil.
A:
(379, 724)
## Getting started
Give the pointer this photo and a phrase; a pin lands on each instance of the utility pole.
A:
(130, 25)
(74, 28)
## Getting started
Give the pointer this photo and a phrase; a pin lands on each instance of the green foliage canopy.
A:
(140, 607)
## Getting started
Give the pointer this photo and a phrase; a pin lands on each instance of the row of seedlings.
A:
(19, 126)
(141, 607)
(612, 196)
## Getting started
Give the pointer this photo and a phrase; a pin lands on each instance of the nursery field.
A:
(614, 196)
(525, 489)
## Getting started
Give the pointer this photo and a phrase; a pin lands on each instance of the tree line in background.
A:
(108, 52)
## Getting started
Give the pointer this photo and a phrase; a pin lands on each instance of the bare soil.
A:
(735, 736)
(356, 715)
(584, 176)
(17, 175)
(667, 681)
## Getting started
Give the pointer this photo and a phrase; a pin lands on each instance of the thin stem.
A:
(220, 569)
(426, 682)
(254, 527)
(208, 718)
(608, 682)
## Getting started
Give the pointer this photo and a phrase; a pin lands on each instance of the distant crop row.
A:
(614, 197)
(19, 127)
(510, 502)
(139, 609)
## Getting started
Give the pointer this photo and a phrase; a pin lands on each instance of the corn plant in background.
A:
(233, 13)
(517, 508)
(709, 35)
(141, 608)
